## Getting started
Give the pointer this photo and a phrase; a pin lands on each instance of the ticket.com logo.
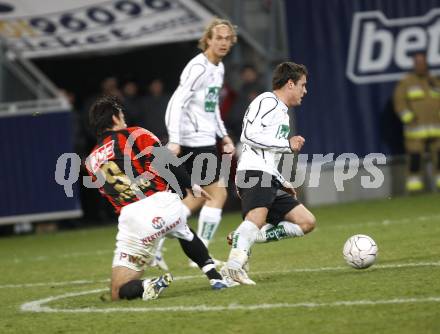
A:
(380, 48)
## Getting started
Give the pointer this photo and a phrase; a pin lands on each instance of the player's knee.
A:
(257, 216)
(219, 196)
(310, 223)
(307, 223)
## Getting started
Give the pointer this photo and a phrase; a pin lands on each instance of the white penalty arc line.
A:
(189, 277)
(83, 282)
(39, 307)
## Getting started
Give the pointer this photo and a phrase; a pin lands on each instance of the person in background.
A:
(131, 101)
(417, 104)
(154, 106)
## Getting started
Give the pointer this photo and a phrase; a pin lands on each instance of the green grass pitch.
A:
(303, 285)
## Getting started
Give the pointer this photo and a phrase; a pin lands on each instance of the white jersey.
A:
(193, 115)
(265, 135)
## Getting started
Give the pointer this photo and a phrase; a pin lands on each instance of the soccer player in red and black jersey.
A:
(123, 164)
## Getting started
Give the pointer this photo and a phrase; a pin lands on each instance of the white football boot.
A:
(154, 287)
(238, 275)
(219, 284)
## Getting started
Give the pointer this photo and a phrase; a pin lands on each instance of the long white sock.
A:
(283, 230)
(261, 236)
(292, 230)
(209, 219)
(242, 241)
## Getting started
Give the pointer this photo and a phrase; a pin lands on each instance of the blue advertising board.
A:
(355, 52)
(30, 147)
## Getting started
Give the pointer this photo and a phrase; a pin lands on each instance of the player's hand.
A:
(296, 143)
(174, 148)
(199, 192)
(229, 149)
(228, 145)
(288, 188)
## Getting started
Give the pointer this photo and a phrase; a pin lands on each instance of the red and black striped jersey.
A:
(123, 159)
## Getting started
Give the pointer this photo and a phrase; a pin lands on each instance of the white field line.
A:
(39, 305)
(384, 222)
(200, 276)
(81, 282)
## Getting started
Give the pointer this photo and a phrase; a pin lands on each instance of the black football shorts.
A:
(265, 193)
(204, 168)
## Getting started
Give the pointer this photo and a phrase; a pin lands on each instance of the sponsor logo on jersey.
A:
(137, 260)
(158, 222)
(283, 131)
(100, 156)
(381, 48)
(150, 238)
(211, 98)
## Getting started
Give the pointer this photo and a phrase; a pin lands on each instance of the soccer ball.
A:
(360, 251)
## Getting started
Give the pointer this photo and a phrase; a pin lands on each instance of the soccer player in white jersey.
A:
(194, 123)
(265, 195)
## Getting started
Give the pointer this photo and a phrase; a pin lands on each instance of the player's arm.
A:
(286, 186)
(170, 168)
(261, 128)
(401, 105)
(189, 82)
(184, 181)
(228, 144)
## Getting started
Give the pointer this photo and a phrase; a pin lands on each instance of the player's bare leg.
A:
(302, 217)
(120, 276)
(193, 203)
(298, 222)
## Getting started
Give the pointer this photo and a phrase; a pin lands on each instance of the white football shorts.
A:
(143, 223)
